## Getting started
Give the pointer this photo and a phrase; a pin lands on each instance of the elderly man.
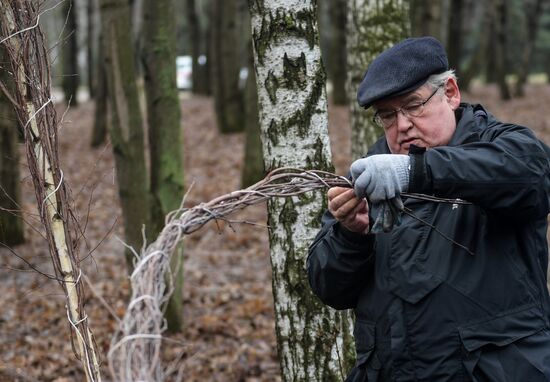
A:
(449, 290)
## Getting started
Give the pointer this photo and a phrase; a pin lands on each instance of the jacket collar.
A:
(471, 120)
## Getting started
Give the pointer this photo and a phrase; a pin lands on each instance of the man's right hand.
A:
(351, 212)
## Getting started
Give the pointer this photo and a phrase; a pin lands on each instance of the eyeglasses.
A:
(386, 119)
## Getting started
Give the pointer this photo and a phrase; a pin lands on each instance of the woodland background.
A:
(501, 50)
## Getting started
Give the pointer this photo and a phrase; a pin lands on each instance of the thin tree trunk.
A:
(195, 43)
(373, 26)
(11, 225)
(499, 58)
(533, 10)
(101, 114)
(92, 46)
(314, 341)
(127, 125)
(338, 54)
(70, 52)
(165, 134)
(253, 169)
(226, 55)
(454, 43)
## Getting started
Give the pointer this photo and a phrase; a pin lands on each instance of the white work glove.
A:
(381, 179)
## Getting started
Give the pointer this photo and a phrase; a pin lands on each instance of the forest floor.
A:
(229, 332)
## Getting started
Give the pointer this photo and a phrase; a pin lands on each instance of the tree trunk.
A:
(426, 18)
(314, 341)
(253, 170)
(101, 115)
(454, 42)
(69, 53)
(226, 55)
(91, 46)
(127, 125)
(338, 54)
(499, 45)
(195, 44)
(11, 225)
(533, 10)
(373, 26)
(165, 134)
(476, 23)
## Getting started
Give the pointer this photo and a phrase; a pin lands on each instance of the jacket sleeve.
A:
(339, 263)
(505, 171)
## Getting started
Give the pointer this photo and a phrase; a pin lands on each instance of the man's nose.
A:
(402, 120)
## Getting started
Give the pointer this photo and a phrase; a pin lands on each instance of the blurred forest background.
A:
(186, 73)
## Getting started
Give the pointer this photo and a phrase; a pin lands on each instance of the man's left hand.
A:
(381, 177)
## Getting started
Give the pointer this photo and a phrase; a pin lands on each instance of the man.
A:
(442, 291)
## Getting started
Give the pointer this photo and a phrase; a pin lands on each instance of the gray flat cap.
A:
(401, 69)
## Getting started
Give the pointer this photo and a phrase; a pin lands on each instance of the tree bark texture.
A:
(226, 62)
(533, 11)
(11, 225)
(498, 58)
(314, 341)
(456, 34)
(102, 113)
(338, 53)
(70, 80)
(126, 121)
(165, 133)
(373, 26)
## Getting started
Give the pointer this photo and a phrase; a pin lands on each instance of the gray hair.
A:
(437, 80)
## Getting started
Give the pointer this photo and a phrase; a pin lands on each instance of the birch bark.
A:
(373, 26)
(314, 342)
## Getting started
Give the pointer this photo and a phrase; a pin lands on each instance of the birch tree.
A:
(373, 26)
(314, 342)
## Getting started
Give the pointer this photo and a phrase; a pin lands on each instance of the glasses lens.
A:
(385, 119)
(414, 109)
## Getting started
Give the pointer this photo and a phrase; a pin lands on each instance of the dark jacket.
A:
(426, 309)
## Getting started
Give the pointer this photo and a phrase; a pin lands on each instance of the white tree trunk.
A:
(314, 341)
(373, 26)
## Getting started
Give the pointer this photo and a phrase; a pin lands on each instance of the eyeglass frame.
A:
(377, 120)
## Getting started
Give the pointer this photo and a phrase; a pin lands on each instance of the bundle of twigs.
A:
(23, 41)
(135, 347)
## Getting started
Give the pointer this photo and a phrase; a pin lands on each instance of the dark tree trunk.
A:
(499, 57)
(253, 169)
(426, 18)
(165, 134)
(127, 125)
(454, 42)
(226, 55)
(101, 115)
(70, 52)
(338, 53)
(11, 225)
(533, 10)
(91, 46)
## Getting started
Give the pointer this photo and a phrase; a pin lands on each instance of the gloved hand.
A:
(381, 179)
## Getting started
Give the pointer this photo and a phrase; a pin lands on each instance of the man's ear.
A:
(452, 93)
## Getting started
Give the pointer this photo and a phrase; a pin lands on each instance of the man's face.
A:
(434, 126)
